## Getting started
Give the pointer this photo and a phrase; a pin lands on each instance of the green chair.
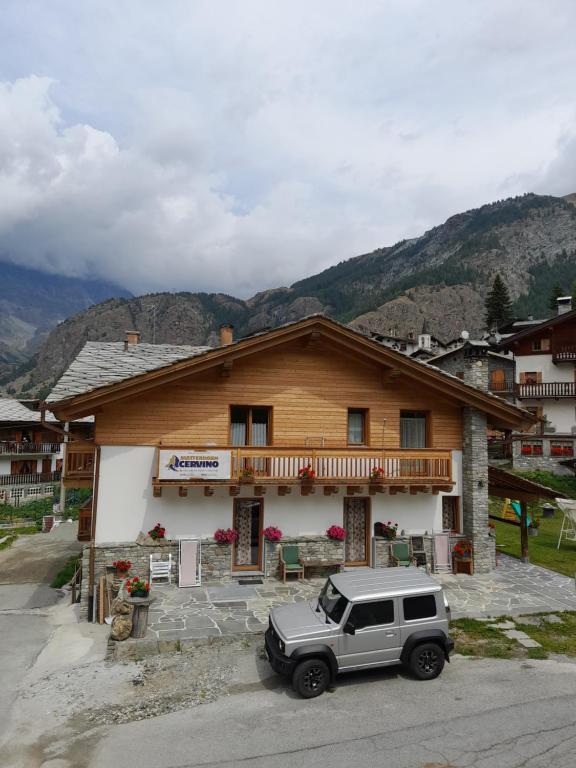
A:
(290, 562)
(400, 554)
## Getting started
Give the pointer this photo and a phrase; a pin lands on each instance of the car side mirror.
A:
(350, 628)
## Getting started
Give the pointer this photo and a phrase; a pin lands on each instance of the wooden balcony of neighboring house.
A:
(29, 478)
(20, 448)
(564, 353)
(550, 389)
(400, 470)
(500, 385)
(79, 465)
(85, 521)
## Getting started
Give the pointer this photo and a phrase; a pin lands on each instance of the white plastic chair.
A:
(568, 530)
(160, 569)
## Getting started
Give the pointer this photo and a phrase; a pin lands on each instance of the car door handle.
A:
(390, 634)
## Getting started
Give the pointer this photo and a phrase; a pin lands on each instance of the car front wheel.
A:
(426, 661)
(311, 678)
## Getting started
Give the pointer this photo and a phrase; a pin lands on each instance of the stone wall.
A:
(546, 461)
(475, 489)
(312, 547)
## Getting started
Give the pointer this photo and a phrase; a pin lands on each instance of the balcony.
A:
(554, 389)
(566, 353)
(14, 448)
(423, 469)
(79, 465)
(32, 478)
(499, 385)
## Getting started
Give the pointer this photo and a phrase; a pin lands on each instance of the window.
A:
(541, 345)
(372, 614)
(357, 421)
(421, 607)
(249, 425)
(531, 447)
(413, 429)
(450, 513)
(561, 448)
(531, 377)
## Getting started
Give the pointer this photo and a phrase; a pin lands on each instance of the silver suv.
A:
(362, 619)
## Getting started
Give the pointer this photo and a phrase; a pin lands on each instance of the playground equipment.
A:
(511, 510)
(568, 530)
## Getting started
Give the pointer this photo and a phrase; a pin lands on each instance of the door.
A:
(247, 551)
(377, 635)
(357, 527)
(46, 466)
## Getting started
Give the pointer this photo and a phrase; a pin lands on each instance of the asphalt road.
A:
(25, 573)
(478, 714)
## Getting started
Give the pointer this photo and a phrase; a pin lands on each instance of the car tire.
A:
(426, 661)
(311, 678)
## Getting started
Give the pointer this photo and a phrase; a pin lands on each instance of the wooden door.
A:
(247, 551)
(46, 466)
(357, 527)
(497, 380)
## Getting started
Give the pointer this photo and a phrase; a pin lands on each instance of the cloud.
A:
(190, 148)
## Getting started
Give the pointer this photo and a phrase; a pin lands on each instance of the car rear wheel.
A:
(311, 678)
(426, 661)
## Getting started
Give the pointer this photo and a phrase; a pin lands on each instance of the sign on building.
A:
(194, 465)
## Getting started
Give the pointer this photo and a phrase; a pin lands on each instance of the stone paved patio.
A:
(197, 614)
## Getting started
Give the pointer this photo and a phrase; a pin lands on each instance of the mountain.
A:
(442, 276)
(33, 302)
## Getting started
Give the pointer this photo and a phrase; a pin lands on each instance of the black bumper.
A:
(448, 647)
(279, 663)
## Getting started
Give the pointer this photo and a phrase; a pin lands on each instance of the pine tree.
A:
(556, 291)
(498, 304)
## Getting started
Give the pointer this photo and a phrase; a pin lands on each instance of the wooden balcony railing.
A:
(554, 389)
(282, 466)
(31, 478)
(79, 461)
(565, 353)
(14, 447)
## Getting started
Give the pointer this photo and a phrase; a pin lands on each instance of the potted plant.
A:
(492, 529)
(389, 530)
(158, 532)
(247, 475)
(336, 533)
(307, 474)
(122, 568)
(462, 550)
(224, 536)
(272, 534)
(376, 474)
(137, 587)
(533, 527)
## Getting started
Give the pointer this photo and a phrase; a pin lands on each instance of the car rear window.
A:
(420, 607)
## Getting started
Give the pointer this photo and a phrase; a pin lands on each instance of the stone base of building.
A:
(216, 559)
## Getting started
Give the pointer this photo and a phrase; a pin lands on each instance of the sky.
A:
(240, 145)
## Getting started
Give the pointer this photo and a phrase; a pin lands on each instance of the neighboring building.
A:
(545, 384)
(31, 453)
(500, 368)
(200, 439)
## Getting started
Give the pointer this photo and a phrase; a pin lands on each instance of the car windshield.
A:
(333, 603)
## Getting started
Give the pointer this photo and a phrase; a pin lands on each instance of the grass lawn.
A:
(64, 576)
(542, 548)
(475, 638)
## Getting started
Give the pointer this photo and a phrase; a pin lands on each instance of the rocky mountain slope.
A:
(442, 276)
(33, 302)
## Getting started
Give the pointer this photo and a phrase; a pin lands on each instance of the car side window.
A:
(420, 607)
(372, 614)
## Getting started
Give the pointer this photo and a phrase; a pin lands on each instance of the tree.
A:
(498, 304)
(556, 292)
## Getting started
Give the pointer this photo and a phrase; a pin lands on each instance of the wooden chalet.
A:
(303, 427)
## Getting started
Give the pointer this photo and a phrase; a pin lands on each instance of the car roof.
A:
(376, 583)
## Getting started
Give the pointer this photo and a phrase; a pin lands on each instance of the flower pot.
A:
(139, 593)
(121, 574)
(532, 531)
(247, 480)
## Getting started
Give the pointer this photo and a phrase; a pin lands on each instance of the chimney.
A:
(476, 365)
(226, 334)
(132, 338)
(564, 304)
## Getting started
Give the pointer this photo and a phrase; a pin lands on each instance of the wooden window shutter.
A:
(522, 378)
(539, 377)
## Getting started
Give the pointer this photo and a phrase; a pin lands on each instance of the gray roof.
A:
(13, 411)
(101, 363)
(377, 583)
